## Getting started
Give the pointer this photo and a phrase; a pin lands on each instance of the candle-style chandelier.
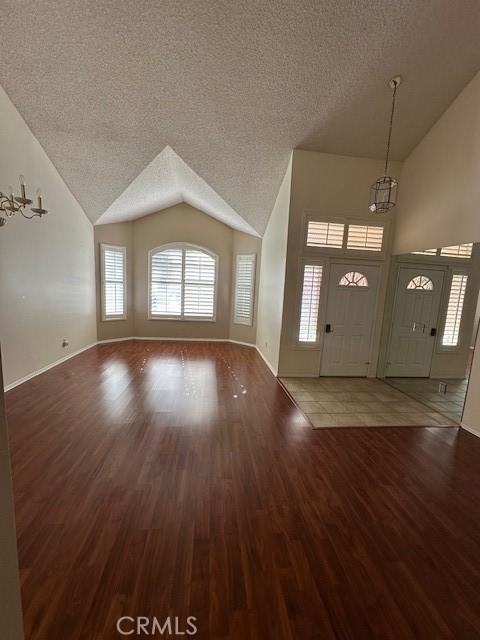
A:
(383, 193)
(12, 204)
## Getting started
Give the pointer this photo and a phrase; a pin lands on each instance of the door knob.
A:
(328, 328)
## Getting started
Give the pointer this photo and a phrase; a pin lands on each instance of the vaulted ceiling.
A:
(231, 86)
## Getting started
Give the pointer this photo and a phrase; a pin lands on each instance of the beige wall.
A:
(439, 197)
(120, 234)
(330, 186)
(243, 243)
(181, 223)
(47, 278)
(439, 186)
(272, 275)
(11, 626)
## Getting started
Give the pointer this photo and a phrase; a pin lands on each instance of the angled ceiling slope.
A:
(167, 181)
(233, 87)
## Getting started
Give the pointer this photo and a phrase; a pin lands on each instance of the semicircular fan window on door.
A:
(353, 279)
(420, 282)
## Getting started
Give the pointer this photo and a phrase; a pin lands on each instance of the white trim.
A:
(28, 377)
(20, 381)
(170, 339)
(272, 369)
(103, 248)
(252, 259)
(183, 246)
(475, 432)
(343, 252)
(114, 340)
(243, 344)
(304, 262)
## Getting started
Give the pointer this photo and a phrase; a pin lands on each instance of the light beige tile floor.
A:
(426, 390)
(360, 402)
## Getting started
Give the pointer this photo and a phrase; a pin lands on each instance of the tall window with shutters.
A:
(183, 283)
(114, 292)
(312, 282)
(244, 289)
(453, 320)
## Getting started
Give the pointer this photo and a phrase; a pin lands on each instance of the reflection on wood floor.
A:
(178, 479)
(360, 402)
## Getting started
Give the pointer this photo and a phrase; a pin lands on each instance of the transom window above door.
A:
(353, 279)
(344, 235)
(325, 234)
(183, 282)
(420, 282)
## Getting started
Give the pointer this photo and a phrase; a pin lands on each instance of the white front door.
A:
(350, 317)
(414, 325)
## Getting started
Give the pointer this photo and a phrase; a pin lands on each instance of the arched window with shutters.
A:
(353, 279)
(182, 282)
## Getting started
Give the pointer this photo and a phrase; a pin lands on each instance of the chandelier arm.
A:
(9, 206)
(34, 215)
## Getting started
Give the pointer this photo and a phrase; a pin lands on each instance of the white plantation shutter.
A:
(182, 283)
(244, 289)
(166, 273)
(365, 237)
(113, 265)
(325, 234)
(199, 291)
(312, 281)
(457, 251)
(454, 310)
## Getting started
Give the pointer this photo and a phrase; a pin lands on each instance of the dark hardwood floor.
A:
(178, 479)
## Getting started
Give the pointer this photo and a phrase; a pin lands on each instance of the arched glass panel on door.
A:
(422, 283)
(353, 279)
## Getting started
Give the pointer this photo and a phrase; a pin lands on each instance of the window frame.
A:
(182, 318)
(344, 251)
(461, 329)
(111, 317)
(253, 258)
(324, 265)
(355, 284)
(429, 282)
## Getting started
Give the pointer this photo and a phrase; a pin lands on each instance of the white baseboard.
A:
(28, 377)
(162, 339)
(272, 369)
(243, 344)
(169, 339)
(14, 384)
(475, 432)
(114, 340)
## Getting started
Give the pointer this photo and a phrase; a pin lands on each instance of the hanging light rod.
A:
(12, 204)
(383, 193)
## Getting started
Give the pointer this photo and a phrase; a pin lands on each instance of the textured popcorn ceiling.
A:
(231, 86)
(167, 181)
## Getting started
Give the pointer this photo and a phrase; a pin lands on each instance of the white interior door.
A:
(350, 317)
(415, 322)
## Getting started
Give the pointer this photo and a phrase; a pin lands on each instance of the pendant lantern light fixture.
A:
(383, 193)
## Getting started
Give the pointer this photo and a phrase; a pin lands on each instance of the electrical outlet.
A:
(65, 342)
(442, 387)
